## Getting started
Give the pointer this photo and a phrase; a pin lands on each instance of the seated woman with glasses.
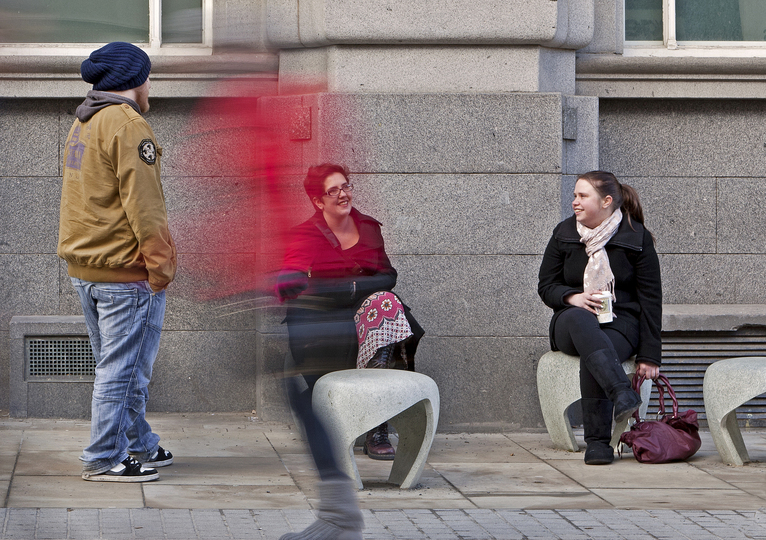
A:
(337, 281)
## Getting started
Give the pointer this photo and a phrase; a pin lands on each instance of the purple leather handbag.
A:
(671, 438)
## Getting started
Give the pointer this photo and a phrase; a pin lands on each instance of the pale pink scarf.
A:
(598, 274)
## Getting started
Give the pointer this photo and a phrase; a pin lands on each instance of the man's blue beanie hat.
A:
(116, 66)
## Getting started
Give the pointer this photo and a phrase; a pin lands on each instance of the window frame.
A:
(671, 47)
(154, 47)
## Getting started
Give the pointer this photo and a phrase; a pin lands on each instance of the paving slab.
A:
(159, 495)
(72, 492)
(679, 499)
(506, 478)
(487, 447)
(539, 444)
(39, 463)
(531, 501)
(432, 491)
(7, 463)
(226, 471)
(199, 442)
(756, 489)
(10, 441)
(627, 473)
(287, 442)
(56, 440)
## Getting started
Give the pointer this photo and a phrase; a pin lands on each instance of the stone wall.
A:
(699, 168)
(468, 190)
(465, 234)
(207, 359)
(463, 139)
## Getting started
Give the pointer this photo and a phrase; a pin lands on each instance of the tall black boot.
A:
(597, 425)
(608, 372)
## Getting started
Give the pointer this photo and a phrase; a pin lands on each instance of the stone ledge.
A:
(711, 317)
(172, 76)
(27, 325)
(711, 77)
(316, 23)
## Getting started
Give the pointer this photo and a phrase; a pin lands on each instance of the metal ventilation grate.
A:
(63, 357)
(686, 356)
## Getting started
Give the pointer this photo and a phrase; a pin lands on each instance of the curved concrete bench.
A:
(351, 402)
(728, 384)
(558, 386)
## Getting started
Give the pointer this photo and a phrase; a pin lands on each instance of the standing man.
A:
(113, 233)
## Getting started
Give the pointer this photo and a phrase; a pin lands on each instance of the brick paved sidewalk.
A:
(475, 524)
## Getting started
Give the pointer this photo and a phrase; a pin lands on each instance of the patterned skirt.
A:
(380, 321)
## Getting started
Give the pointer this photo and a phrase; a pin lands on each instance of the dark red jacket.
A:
(342, 276)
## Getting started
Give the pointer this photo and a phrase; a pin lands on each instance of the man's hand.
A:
(155, 289)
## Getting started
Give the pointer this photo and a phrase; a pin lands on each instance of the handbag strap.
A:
(662, 383)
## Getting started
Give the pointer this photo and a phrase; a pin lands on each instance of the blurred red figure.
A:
(243, 165)
(238, 161)
(335, 277)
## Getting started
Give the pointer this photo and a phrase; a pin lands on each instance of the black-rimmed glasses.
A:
(334, 192)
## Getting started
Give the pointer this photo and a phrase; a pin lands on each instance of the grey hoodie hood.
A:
(95, 100)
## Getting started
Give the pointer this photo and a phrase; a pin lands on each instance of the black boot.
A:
(608, 372)
(384, 358)
(597, 425)
(338, 517)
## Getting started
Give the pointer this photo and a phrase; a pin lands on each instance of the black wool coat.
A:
(638, 284)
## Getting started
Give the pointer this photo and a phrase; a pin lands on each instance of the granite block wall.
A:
(467, 198)
(207, 358)
(30, 138)
(467, 187)
(699, 168)
(462, 184)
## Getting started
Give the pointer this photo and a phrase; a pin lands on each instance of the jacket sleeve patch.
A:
(147, 152)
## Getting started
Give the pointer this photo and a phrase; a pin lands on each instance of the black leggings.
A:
(578, 333)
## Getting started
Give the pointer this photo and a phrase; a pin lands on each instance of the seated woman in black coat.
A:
(604, 248)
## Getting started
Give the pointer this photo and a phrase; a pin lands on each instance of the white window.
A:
(77, 26)
(696, 24)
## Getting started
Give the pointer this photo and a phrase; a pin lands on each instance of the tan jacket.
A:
(113, 223)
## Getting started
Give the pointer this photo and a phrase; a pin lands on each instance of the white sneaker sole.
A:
(155, 464)
(104, 477)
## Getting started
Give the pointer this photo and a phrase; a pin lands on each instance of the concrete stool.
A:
(558, 386)
(353, 401)
(728, 384)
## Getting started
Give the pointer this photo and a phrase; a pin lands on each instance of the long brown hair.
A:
(623, 195)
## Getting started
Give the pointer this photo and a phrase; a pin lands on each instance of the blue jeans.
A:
(124, 324)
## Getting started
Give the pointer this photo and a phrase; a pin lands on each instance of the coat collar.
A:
(361, 220)
(627, 237)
